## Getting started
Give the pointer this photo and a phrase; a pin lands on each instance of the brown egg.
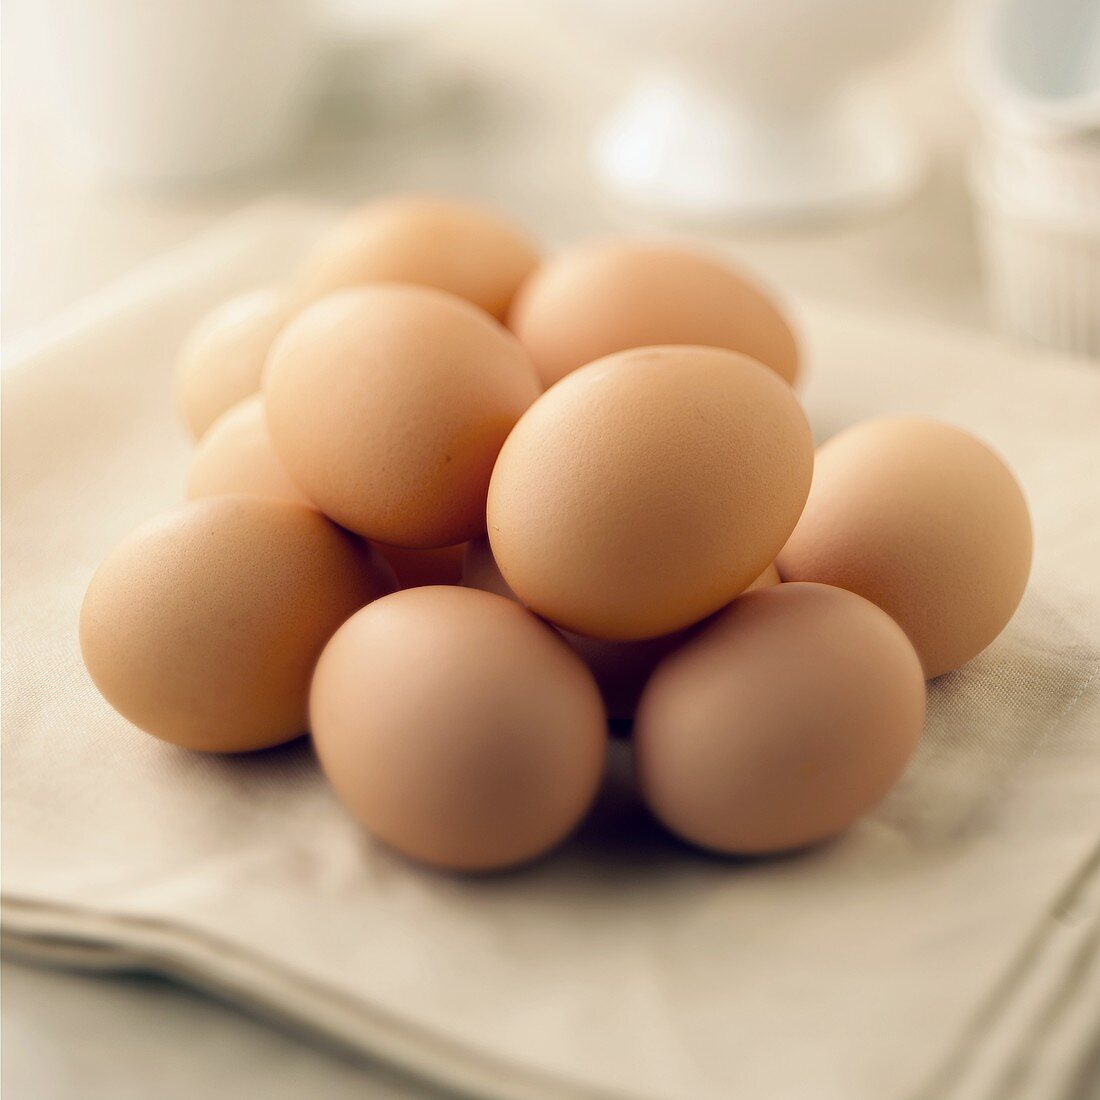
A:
(458, 728)
(416, 568)
(236, 456)
(645, 491)
(203, 627)
(602, 297)
(452, 246)
(223, 358)
(783, 720)
(388, 405)
(927, 522)
(769, 577)
(621, 668)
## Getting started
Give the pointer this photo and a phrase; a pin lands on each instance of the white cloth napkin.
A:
(947, 947)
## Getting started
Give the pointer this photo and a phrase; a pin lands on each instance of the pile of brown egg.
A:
(453, 506)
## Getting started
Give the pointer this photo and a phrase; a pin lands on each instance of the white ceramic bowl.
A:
(757, 111)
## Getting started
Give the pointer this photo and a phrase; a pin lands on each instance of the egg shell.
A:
(769, 577)
(782, 721)
(204, 625)
(458, 728)
(621, 668)
(925, 521)
(602, 297)
(222, 360)
(388, 404)
(453, 246)
(416, 568)
(236, 456)
(645, 491)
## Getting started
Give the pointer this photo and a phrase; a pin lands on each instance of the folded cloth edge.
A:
(54, 935)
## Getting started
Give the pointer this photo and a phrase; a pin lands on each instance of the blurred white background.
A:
(485, 99)
(479, 98)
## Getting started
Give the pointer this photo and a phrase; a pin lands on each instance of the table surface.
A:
(471, 84)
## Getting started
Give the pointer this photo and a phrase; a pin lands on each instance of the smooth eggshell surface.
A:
(236, 456)
(779, 723)
(925, 521)
(204, 625)
(645, 491)
(222, 360)
(599, 298)
(457, 728)
(388, 405)
(621, 668)
(769, 577)
(452, 246)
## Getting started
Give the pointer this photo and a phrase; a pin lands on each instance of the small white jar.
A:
(1035, 65)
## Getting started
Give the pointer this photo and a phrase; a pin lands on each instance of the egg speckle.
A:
(643, 492)
(388, 404)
